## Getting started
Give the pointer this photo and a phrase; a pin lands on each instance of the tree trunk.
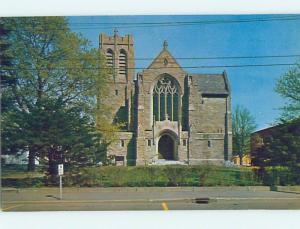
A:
(31, 160)
(52, 170)
(241, 159)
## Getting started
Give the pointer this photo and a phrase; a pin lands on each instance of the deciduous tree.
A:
(56, 79)
(243, 124)
(288, 86)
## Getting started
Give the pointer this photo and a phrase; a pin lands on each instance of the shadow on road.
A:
(54, 197)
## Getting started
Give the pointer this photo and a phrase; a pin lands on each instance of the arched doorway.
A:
(166, 147)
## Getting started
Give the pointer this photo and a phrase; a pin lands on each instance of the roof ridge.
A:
(165, 49)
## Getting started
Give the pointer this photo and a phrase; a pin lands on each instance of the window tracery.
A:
(165, 99)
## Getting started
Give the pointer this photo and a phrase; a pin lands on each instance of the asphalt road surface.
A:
(106, 199)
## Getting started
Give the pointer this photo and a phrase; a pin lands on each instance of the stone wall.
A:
(207, 117)
(123, 145)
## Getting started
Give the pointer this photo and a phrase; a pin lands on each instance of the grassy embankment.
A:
(111, 176)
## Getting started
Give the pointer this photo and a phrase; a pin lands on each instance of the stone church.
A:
(170, 115)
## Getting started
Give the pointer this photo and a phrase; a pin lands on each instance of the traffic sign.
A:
(60, 169)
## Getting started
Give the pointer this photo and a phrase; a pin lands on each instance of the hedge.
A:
(160, 176)
(164, 176)
(146, 176)
(280, 175)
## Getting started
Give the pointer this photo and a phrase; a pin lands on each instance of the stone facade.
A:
(169, 114)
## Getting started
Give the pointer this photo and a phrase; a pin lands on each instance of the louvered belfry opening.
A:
(109, 58)
(123, 63)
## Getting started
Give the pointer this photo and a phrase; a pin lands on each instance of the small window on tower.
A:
(209, 143)
(116, 92)
(122, 143)
(184, 142)
(149, 142)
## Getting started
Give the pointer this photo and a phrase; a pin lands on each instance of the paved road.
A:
(75, 199)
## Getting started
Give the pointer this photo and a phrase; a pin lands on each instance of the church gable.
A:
(164, 60)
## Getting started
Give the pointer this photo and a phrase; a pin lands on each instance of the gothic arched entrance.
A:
(167, 147)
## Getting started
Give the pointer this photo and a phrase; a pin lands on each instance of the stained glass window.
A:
(165, 99)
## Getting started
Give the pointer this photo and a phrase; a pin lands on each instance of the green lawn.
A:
(19, 172)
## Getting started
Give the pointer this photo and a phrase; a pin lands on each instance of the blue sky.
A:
(252, 87)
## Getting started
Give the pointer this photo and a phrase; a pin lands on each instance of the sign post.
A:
(60, 173)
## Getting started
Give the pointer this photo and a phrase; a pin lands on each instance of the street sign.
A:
(60, 169)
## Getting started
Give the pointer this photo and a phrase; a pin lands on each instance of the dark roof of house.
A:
(211, 84)
(270, 130)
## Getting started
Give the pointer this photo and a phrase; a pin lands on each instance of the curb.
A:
(148, 189)
(99, 201)
(203, 200)
(9, 190)
(288, 189)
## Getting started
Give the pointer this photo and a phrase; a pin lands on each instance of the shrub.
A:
(280, 175)
(175, 175)
(23, 182)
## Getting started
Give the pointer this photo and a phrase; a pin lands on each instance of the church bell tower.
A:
(119, 54)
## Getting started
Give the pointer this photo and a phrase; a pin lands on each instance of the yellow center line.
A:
(164, 206)
(11, 207)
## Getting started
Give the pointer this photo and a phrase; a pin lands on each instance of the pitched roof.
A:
(164, 55)
(211, 84)
(272, 129)
(207, 84)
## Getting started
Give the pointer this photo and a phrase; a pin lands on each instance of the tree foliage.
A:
(5, 61)
(243, 124)
(281, 147)
(288, 86)
(57, 77)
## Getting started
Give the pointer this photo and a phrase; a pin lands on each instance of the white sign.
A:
(60, 169)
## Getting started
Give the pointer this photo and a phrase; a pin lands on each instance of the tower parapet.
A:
(119, 50)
